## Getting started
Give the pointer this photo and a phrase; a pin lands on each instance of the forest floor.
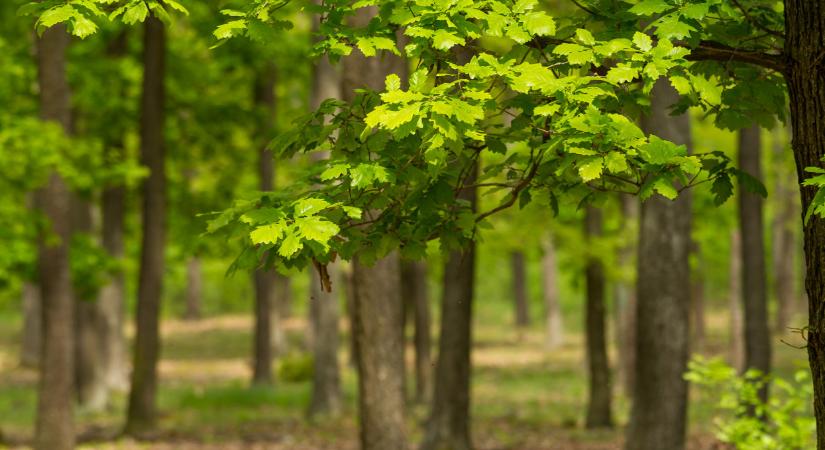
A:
(524, 397)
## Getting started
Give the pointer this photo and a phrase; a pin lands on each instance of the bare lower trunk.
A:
(599, 392)
(783, 234)
(414, 292)
(625, 296)
(658, 414)
(554, 335)
(697, 304)
(520, 301)
(326, 378)
(737, 327)
(54, 429)
(279, 306)
(194, 289)
(262, 340)
(32, 336)
(378, 310)
(142, 410)
(754, 289)
(112, 296)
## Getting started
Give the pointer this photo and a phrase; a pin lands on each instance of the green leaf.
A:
(309, 206)
(53, 16)
(722, 189)
(664, 187)
(751, 183)
(262, 215)
(444, 40)
(591, 170)
(615, 162)
(268, 234)
(335, 171)
(291, 245)
(229, 29)
(546, 110)
(539, 23)
(352, 212)
(316, 229)
(650, 7)
(83, 27)
(136, 13)
(642, 41)
(621, 74)
(584, 36)
(392, 82)
(659, 151)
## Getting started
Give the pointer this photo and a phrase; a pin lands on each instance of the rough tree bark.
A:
(377, 308)
(448, 427)
(142, 411)
(520, 301)
(554, 334)
(657, 419)
(754, 289)
(786, 216)
(737, 328)
(416, 300)
(804, 47)
(599, 388)
(54, 428)
(264, 98)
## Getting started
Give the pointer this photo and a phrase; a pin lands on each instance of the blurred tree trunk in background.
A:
(785, 222)
(112, 295)
(519, 280)
(737, 328)
(142, 411)
(448, 426)
(90, 377)
(324, 314)
(554, 334)
(377, 307)
(54, 429)
(266, 317)
(658, 413)
(625, 294)
(194, 289)
(416, 301)
(32, 335)
(599, 388)
(754, 288)
(697, 301)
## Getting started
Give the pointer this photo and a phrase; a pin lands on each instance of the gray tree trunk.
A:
(657, 418)
(784, 237)
(54, 428)
(142, 411)
(416, 300)
(32, 335)
(326, 378)
(519, 280)
(625, 299)
(554, 323)
(737, 327)
(697, 304)
(599, 388)
(754, 288)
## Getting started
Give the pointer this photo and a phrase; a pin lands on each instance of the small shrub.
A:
(295, 368)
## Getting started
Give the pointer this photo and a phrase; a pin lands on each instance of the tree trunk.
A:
(194, 289)
(414, 293)
(448, 427)
(32, 336)
(754, 289)
(599, 391)
(264, 97)
(554, 335)
(326, 379)
(520, 301)
(625, 297)
(54, 429)
(784, 238)
(737, 327)
(697, 303)
(378, 310)
(142, 411)
(804, 47)
(657, 419)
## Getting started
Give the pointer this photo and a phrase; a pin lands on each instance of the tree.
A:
(416, 300)
(754, 289)
(520, 301)
(142, 410)
(554, 335)
(737, 328)
(657, 418)
(55, 426)
(783, 235)
(599, 387)
(625, 294)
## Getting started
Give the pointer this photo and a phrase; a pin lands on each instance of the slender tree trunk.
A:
(554, 335)
(32, 339)
(520, 301)
(804, 47)
(194, 289)
(784, 238)
(625, 297)
(264, 280)
(448, 427)
(737, 327)
(599, 390)
(697, 303)
(142, 411)
(326, 379)
(414, 292)
(754, 289)
(54, 429)
(657, 419)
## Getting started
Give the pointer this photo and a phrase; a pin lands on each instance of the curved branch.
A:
(714, 51)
